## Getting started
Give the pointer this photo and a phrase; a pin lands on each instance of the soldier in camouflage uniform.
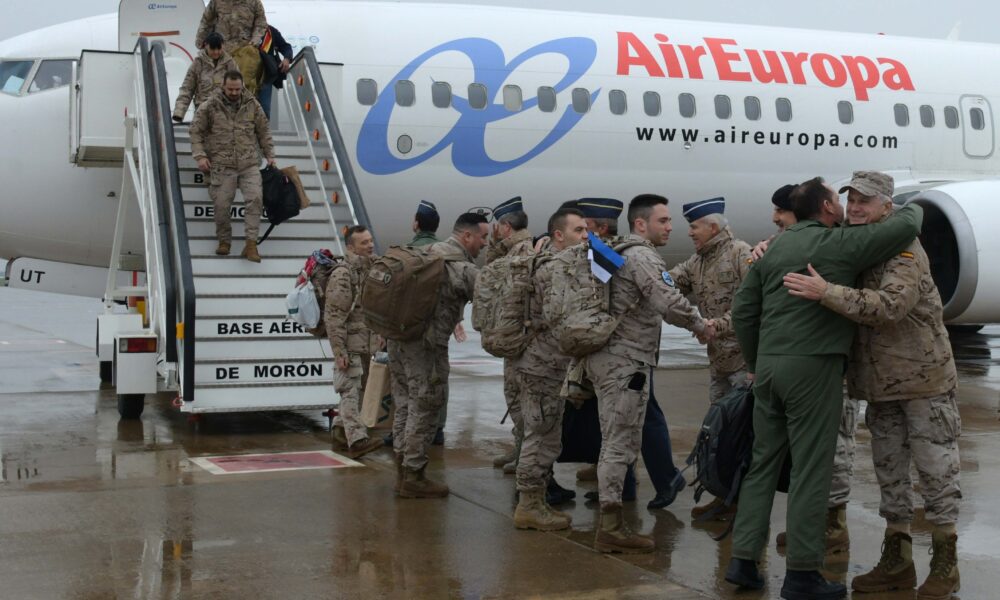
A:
(901, 363)
(421, 366)
(510, 238)
(204, 76)
(351, 342)
(228, 135)
(643, 295)
(241, 23)
(540, 372)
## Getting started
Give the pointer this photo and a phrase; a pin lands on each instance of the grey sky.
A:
(975, 19)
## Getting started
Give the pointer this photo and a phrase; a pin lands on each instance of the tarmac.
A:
(96, 508)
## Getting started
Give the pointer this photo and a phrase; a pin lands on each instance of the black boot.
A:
(555, 494)
(744, 573)
(810, 585)
(666, 497)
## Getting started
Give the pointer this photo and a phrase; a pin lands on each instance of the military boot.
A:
(613, 535)
(339, 436)
(721, 512)
(416, 485)
(837, 537)
(363, 446)
(533, 513)
(223, 249)
(894, 570)
(943, 580)
(250, 251)
(503, 459)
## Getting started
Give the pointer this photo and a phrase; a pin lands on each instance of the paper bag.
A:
(292, 173)
(377, 408)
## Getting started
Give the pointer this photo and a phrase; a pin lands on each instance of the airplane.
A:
(467, 106)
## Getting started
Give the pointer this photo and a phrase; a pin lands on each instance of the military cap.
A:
(508, 207)
(569, 204)
(870, 183)
(782, 197)
(696, 210)
(426, 208)
(600, 208)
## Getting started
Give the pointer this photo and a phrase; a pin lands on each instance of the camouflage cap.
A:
(870, 183)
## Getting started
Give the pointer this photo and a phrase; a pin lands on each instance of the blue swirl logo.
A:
(467, 138)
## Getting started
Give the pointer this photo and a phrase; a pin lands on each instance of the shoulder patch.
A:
(906, 254)
(667, 279)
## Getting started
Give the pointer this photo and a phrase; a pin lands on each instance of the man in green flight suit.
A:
(425, 224)
(797, 354)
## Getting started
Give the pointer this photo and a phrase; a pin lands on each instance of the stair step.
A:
(235, 265)
(225, 306)
(274, 245)
(295, 227)
(267, 371)
(244, 284)
(203, 209)
(198, 194)
(257, 327)
(305, 347)
(284, 396)
(310, 179)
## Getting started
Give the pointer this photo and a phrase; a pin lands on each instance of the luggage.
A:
(305, 302)
(401, 292)
(501, 306)
(376, 406)
(292, 173)
(281, 198)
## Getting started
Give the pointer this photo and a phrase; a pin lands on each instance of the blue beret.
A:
(426, 208)
(600, 208)
(507, 207)
(696, 210)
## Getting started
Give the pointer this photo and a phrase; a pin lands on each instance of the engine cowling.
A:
(961, 235)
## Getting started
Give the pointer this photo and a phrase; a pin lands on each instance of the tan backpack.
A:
(401, 292)
(501, 305)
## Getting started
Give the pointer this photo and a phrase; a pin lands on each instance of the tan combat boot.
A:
(416, 485)
(250, 251)
(339, 437)
(362, 447)
(837, 537)
(223, 249)
(943, 580)
(613, 535)
(533, 513)
(894, 570)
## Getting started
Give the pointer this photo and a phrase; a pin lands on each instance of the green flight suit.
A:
(798, 351)
(423, 238)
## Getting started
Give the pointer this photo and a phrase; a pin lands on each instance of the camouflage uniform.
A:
(241, 22)
(619, 371)
(713, 274)
(843, 457)
(204, 76)
(345, 328)
(419, 368)
(901, 364)
(232, 136)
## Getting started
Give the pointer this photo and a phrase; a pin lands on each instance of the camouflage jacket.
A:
(640, 291)
(204, 76)
(541, 357)
(901, 350)
(456, 291)
(713, 275)
(231, 135)
(345, 326)
(520, 243)
(240, 22)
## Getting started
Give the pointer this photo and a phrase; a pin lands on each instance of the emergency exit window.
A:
(977, 119)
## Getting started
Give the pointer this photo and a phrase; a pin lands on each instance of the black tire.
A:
(130, 405)
(106, 371)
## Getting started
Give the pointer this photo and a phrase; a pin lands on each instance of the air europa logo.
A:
(763, 66)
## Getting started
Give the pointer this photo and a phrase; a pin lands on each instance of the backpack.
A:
(576, 305)
(305, 302)
(501, 305)
(281, 198)
(401, 292)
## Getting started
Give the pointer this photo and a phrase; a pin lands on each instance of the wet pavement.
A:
(94, 507)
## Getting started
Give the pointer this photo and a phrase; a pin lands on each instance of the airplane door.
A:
(977, 126)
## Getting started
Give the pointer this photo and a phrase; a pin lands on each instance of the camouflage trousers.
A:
(542, 407)
(843, 458)
(511, 394)
(419, 376)
(350, 384)
(622, 387)
(925, 432)
(224, 182)
(721, 384)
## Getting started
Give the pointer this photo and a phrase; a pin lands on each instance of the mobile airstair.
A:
(213, 328)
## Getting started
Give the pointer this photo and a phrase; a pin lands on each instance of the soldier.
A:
(425, 224)
(510, 238)
(420, 367)
(241, 23)
(797, 351)
(901, 363)
(228, 135)
(713, 274)
(352, 343)
(642, 294)
(204, 76)
(540, 372)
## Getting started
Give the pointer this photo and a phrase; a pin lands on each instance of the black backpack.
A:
(281, 198)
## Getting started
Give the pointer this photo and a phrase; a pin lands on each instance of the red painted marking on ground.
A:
(260, 462)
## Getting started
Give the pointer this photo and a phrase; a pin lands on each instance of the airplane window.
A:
(845, 110)
(951, 117)
(12, 75)
(512, 99)
(723, 107)
(651, 103)
(902, 113)
(477, 96)
(976, 119)
(50, 75)
(751, 105)
(616, 99)
(581, 100)
(546, 99)
(441, 94)
(367, 92)
(927, 116)
(406, 94)
(687, 105)
(783, 106)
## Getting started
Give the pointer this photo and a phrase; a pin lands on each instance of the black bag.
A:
(270, 68)
(581, 433)
(281, 198)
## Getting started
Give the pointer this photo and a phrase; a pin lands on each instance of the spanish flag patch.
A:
(906, 254)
